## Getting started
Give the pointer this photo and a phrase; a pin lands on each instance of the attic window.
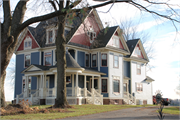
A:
(91, 34)
(27, 43)
(50, 38)
(116, 41)
(137, 51)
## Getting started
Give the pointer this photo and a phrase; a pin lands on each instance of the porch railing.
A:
(51, 92)
(129, 98)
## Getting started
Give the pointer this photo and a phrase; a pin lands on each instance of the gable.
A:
(33, 68)
(81, 35)
(28, 36)
(138, 52)
(116, 41)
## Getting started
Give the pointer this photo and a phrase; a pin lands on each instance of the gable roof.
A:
(103, 37)
(132, 45)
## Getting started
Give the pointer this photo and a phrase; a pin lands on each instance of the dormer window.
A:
(27, 43)
(91, 34)
(50, 38)
(138, 51)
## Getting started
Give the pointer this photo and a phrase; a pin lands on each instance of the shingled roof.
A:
(103, 37)
(132, 44)
(39, 33)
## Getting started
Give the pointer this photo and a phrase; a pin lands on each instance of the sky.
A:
(165, 39)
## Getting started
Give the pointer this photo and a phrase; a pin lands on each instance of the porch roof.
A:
(148, 79)
(89, 70)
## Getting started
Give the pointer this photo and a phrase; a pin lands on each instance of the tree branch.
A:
(53, 4)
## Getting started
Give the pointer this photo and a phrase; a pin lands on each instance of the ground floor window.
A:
(139, 87)
(125, 87)
(116, 86)
(104, 85)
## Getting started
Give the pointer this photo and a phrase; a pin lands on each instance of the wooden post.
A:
(72, 84)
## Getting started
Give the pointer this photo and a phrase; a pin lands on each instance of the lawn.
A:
(78, 110)
(172, 110)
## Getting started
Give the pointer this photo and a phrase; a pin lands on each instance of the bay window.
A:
(116, 86)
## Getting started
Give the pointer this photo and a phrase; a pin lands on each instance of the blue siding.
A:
(18, 77)
(126, 69)
(52, 58)
(33, 83)
(81, 58)
(35, 58)
(51, 81)
(42, 58)
(104, 70)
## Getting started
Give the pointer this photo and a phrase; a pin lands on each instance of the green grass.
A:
(79, 110)
(172, 110)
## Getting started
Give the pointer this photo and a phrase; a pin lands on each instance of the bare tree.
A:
(13, 25)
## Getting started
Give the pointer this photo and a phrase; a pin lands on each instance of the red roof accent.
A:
(140, 56)
(34, 43)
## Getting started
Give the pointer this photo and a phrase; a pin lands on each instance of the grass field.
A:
(172, 110)
(79, 110)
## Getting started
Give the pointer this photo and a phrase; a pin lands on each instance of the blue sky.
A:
(166, 61)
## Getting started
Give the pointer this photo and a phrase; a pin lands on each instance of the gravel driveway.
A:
(127, 114)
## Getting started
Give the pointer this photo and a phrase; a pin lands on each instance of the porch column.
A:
(92, 81)
(55, 83)
(26, 87)
(76, 89)
(85, 89)
(99, 84)
(37, 82)
(72, 84)
(41, 82)
(75, 55)
(44, 81)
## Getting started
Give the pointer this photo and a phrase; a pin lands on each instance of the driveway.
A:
(127, 114)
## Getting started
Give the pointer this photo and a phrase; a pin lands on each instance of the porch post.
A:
(85, 89)
(99, 84)
(72, 84)
(76, 90)
(37, 82)
(55, 83)
(92, 81)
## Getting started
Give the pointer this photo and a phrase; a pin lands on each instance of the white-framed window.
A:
(125, 87)
(94, 60)
(91, 34)
(28, 43)
(116, 61)
(27, 60)
(104, 59)
(138, 69)
(24, 83)
(116, 86)
(139, 87)
(116, 41)
(50, 36)
(138, 51)
(87, 60)
(47, 58)
(68, 79)
(47, 82)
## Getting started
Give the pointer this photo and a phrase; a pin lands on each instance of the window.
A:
(91, 34)
(94, 60)
(138, 69)
(47, 58)
(125, 87)
(68, 79)
(24, 83)
(104, 59)
(139, 87)
(116, 61)
(104, 85)
(87, 60)
(116, 86)
(116, 41)
(27, 60)
(50, 39)
(138, 51)
(27, 43)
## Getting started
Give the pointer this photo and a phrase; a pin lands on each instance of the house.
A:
(102, 68)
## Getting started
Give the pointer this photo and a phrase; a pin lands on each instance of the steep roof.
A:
(39, 32)
(103, 37)
(132, 44)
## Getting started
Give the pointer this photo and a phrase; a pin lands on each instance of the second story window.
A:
(50, 38)
(47, 58)
(104, 59)
(138, 69)
(94, 60)
(116, 61)
(87, 60)
(27, 60)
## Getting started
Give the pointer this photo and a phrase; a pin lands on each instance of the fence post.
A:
(17, 99)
